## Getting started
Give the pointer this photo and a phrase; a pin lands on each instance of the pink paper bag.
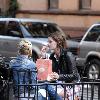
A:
(44, 67)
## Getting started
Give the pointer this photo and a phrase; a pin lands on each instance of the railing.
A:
(90, 90)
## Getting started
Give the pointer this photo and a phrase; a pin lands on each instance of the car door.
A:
(11, 39)
(98, 39)
(89, 43)
(2, 33)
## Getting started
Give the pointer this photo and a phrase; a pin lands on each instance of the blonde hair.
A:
(25, 47)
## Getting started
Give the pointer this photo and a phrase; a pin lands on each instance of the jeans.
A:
(41, 97)
(52, 94)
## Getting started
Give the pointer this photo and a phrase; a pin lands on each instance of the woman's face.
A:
(51, 43)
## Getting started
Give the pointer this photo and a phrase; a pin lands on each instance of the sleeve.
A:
(69, 77)
(33, 72)
(12, 63)
(73, 75)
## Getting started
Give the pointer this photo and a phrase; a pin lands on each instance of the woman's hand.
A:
(44, 50)
(53, 76)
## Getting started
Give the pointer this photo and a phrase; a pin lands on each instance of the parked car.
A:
(88, 59)
(12, 30)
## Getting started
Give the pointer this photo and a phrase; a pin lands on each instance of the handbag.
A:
(44, 67)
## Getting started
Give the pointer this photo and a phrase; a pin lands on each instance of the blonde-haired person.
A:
(25, 47)
(23, 62)
(63, 63)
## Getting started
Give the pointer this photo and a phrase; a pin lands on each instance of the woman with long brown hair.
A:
(63, 62)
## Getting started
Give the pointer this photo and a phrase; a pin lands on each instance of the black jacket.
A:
(65, 66)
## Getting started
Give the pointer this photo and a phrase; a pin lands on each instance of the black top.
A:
(65, 66)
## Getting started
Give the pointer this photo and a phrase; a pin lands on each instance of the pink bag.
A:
(44, 67)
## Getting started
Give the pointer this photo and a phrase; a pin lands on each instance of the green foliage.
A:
(11, 12)
(13, 7)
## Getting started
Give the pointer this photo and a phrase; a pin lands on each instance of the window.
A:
(40, 29)
(53, 4)
(2, 27)
(14, 29)
(85, 4)
(93, 34)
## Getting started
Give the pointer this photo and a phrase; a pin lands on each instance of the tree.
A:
(13, 7)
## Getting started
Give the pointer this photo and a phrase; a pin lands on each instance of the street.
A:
(90, 94)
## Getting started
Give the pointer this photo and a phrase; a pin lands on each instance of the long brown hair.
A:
(60, 38)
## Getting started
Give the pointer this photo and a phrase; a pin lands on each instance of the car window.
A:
(93, 34)
(2, 27)
(14, 29)
(40, 29)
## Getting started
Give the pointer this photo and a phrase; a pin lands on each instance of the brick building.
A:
(4, 5)
(74, 16)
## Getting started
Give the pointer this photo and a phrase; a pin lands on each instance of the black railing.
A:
(89, 90)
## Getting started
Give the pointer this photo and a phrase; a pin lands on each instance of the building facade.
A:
(4, 6)
(74, 16)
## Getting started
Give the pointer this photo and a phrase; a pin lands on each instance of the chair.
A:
(23, 83)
